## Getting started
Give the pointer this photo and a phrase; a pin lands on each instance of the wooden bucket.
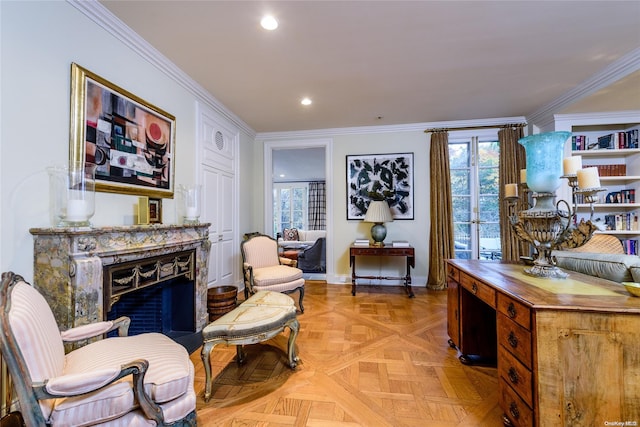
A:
(221, 300)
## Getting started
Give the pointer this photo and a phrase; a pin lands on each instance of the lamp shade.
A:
(378, 212)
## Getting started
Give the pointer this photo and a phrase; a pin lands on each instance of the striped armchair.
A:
(265, 270)
(143, 380)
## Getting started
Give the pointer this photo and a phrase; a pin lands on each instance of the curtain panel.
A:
(441, 240)
(512, 159)
(317, 206)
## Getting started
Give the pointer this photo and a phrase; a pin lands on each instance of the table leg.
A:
(407, 279)
(353, 275)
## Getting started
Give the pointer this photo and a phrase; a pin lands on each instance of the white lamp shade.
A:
(378, 212)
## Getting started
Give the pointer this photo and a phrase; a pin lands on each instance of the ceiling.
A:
(392, 62)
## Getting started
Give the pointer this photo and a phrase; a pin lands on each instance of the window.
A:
(289, 206)
(474, 164)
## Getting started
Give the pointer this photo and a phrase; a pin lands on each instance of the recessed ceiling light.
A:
(305, 101)
(269, 23)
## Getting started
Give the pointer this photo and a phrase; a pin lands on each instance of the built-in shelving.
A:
(594, 126)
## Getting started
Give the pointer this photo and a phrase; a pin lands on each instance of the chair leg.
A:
(246, 292)
(300, 300)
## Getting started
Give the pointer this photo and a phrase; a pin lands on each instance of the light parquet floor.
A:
(376, 359)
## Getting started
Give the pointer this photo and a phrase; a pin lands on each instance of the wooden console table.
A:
(381, 251)
(566, 349)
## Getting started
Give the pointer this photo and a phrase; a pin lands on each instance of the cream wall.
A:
(365, 141)
(39, 42)
(415, 231)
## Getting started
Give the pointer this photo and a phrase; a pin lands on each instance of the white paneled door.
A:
(218, 144)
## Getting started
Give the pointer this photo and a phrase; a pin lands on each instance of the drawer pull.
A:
(513, 375)
(511, 310)
(474, 288)
(513, 410)
(512, 339)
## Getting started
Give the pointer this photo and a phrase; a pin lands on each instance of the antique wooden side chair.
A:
(265, 270)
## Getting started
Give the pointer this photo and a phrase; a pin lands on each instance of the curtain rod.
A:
(512, 125)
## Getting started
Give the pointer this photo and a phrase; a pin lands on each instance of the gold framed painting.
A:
(131, 142)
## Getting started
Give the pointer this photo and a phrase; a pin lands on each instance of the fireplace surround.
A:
(73, 267)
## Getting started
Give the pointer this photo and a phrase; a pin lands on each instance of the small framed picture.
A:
(155, 211)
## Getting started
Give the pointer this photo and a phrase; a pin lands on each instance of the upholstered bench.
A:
(261, 317)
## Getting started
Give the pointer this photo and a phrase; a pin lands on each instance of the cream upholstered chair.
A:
(265, 270)
(142, 380)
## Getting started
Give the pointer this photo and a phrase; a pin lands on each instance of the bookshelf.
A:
(609, 141)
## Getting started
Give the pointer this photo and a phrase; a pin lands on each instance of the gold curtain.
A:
(512, 159)
(441, 242)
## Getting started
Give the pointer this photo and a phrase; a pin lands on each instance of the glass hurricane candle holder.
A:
(191, 199)
(72, 194)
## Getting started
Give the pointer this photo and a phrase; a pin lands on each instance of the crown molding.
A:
(99, 14)
(411, 127)
(624, 66)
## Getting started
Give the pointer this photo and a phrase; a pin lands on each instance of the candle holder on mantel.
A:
(548, 225)
(72, 194)
(191, 201)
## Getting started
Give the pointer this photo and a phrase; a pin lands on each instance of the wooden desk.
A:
(383, 251)
(566, 349)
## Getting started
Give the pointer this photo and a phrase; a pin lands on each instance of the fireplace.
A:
(156, 274)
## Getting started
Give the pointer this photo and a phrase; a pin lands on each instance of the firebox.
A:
(156, 293)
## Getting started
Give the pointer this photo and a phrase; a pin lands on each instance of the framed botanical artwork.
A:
(131, 142)
(155, 211)
(380, 176)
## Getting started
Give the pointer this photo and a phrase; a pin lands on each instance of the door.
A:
(218, 145)
(474, 163)
(217, 204)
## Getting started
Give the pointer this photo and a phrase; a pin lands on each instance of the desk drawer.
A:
(453, 273)
(514, 407)
(479, 289)
(515, 338)
(515, 310)
(515, 374)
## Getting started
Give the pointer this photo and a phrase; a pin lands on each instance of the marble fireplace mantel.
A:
(69, 264)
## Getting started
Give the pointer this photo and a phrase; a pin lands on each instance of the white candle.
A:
(511, 190)
(588, 178)
(77, 210)
(192, 212)
(571, 165)
(523, 176)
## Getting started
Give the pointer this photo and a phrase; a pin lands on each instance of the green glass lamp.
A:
(378, 213)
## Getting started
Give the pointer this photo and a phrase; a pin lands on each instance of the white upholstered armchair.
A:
(143, 380)
(265, 270)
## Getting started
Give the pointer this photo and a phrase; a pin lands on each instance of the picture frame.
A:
(388, 176)
(131, 141)
(155, 211)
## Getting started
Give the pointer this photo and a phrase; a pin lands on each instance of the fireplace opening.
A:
(166, 308)
(157, 294)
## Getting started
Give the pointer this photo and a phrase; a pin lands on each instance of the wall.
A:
(343, 232)
(40, 40)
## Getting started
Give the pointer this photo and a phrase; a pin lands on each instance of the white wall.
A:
(40, 40)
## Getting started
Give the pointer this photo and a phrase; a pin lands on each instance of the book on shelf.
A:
(400, 244)
(622, 222)
(361, 242)
(616, 140)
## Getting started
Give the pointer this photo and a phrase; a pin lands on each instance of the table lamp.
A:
(378, 213)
